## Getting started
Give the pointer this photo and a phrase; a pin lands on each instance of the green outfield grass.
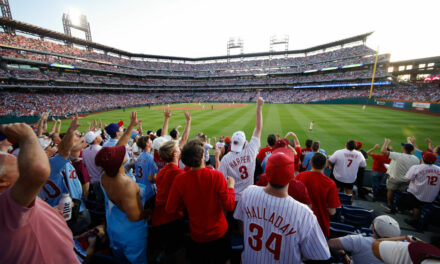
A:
(334, 124)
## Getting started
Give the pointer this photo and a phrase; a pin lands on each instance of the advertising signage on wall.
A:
(399, 105)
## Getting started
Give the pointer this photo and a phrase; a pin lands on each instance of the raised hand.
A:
(74, 125)
(133, 119)
(167, 113)
(260, 100)
(187, 115)
(16, 131)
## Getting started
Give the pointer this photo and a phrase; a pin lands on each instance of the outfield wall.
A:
(397, 104)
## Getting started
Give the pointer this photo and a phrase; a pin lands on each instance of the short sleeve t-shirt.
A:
(378, 163)
(264, 152)
(37, 234)
(62, 179)
(424, 182)
(241, 166)
(323, 193)
(144, 167)
(400, 164)
(164, 181)
(360, 248)
(346, 165)
(207, 147)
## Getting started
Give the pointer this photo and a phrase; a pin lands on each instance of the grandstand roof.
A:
(32, 29)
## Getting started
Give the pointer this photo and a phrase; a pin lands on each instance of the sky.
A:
(199, 28)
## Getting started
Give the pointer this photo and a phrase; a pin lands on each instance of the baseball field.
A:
(334, 124)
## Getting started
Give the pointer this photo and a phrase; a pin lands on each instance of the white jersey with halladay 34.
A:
(278, 230)
(241, 166)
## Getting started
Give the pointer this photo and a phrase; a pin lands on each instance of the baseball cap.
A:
(44, 142)
(429, 157)
(110, 159)
(228, 140)
(359, 144)
(386, 226)
(222, 138)
(238, 139)
(408, 147)
(90, 136)
(112, 129)
(280, 167)
(281, 143)
(134, 133)
(157, 142)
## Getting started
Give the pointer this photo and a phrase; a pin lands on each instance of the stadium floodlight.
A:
(6, 12)
(75, 19)
(74, 15)
(277, 40)
(235, 43)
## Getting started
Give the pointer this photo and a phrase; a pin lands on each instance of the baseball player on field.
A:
(239, 163)
(277, 228)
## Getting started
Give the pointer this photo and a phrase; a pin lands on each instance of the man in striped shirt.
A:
(278, 229)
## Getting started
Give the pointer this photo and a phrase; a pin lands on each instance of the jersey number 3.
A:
(243, 172)
(256, 243)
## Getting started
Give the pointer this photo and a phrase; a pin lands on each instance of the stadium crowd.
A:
(81, 58)
(67, 103)
(159, 197)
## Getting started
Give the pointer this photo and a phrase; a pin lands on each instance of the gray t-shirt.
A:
(360, 248)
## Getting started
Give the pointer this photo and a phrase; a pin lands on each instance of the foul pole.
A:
(374, 73)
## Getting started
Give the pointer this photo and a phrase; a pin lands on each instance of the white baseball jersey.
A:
(346, 164)
(278, 230)
(241, 166)
(424, 183)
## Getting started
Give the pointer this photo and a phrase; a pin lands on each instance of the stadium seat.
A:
(338, 216)
(342, 226)
(357, 216)
(425, 212)
(81, 254)
(396, 197)
(345, 198)
(367, 232)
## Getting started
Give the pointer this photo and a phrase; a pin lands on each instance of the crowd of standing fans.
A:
(142, 196)
(67, 103)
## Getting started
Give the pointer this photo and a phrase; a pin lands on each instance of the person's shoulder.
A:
(252, 189)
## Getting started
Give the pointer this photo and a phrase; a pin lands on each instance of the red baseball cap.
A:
(280, 167)
(429, 157)
(358, 144)
(110, 159)
(228, 140)
(281, 143)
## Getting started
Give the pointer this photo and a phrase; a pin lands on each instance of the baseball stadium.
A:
(328, 153)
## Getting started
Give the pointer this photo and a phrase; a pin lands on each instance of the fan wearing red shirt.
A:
(323, 192)
(205, 193)
(297, 190)
(378, 171)
(168, 228)
(271, 139)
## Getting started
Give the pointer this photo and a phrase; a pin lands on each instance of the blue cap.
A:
(112, 129)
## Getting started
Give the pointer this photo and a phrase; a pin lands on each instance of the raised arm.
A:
(373, 149)
(66, 144)
(295, 138)
(412, 140)
(52, 131)
(126, 136)
(259, 120)
(185, 133)
(384, 150)
(430, 145)
(33, 165)
(140, 128)
(167, 114)
(58, 128)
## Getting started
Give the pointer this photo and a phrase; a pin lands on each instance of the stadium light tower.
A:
(278, 40)
(74, 19)
(235, 43)
(6, 12)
